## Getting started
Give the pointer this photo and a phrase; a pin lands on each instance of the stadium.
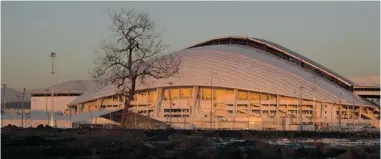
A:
(243, 83)
(223, 83)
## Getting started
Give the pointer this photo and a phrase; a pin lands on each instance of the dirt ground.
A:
(175, 144)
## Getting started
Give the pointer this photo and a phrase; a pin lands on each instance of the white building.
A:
(244, 83)
(64, 93)
(41, 102)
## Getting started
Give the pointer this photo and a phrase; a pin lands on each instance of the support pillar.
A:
(159, 97)
(249, 103)
(260, 105)
(277, 111)
(194, 109)
(235, 106)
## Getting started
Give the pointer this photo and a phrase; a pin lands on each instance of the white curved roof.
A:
(245, 68)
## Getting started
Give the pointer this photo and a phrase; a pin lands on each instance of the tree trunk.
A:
(127, 103)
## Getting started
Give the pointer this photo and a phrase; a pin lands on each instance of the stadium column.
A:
(260, 105)
(322, 115)
(159, 95)
(235, 106)
(194, 101)
(98, 104)
(248, 103)
(287, 118)
(248, 109)
(277, 110)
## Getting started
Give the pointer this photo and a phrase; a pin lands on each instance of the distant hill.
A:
(13, 98)
(12, 95)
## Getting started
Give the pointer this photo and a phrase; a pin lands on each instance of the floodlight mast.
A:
(51, 121)
(3, 108)
(22, 108)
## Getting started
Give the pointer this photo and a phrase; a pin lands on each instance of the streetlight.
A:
(46, 103)
(51, 123)
(2, 110)
(211, 99)
(22, 108)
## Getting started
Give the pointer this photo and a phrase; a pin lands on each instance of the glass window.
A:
(219, 94)
(264, 96)
(166, 94)
(186, 92)
(254, 97)
(243, 95)
(185, 110)
(272, 97)
(229, 92)
(206, 94)
(241, 105)
(150, 96)
(175, 94)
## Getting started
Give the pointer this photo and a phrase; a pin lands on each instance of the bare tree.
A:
(137, 53)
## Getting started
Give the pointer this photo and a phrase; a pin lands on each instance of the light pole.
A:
(22, 108)
(2, 110)
(51, 123)
(211, 99)
(46, 101)
(46, 104)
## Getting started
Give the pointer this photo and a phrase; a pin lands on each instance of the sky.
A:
(342, 36)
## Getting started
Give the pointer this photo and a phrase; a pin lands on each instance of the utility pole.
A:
(51, 123)
(46, 102)
(46, 105)
(3, 108)
(301, 108)
(22, 108)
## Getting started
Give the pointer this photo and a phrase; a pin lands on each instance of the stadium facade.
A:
(225, 83)
(243, 83)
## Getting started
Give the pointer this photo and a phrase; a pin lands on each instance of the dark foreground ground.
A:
(180, 144)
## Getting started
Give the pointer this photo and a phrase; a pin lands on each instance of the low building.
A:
(64, 93)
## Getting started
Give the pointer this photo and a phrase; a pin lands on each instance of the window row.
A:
(176, 116)
(176, 110)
